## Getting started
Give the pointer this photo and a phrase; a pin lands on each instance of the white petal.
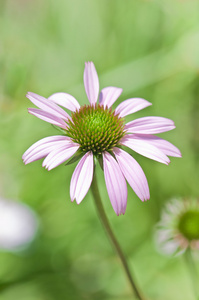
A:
(149, 125)
(115, 184)
(144, 149)
(165, 242)
(109, 95)
(130, 106)
(91, 82)
(133, 173)
(65, 100)
(82, 178)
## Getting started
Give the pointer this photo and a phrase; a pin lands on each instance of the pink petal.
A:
(144, 148)
(49, 147)
(47, 106)
(91, 82)
(165, 146)
(45, 141)
(130, 106)
(82, 178)
(41, 153)
(133, 173)
(109, 95)
(65, 100)
(59, 155)
(45, 116)
(150, 125)
(43, 147)
(115, 184)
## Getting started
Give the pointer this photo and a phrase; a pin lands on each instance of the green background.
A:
(151, 50)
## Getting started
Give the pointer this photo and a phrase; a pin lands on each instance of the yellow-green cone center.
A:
(189, 225)
(95, 128)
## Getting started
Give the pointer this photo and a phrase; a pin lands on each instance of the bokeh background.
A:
(151, 50)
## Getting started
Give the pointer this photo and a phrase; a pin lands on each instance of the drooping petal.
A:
(45, 116)
(82, 178)
(43, 147)
(44, 141)
(47, 106)
(130, 106)
(144, 148)
(40, 152)
(165, 146)
(133, 173)
(109, 95)
(65, 100)
(91, 82)
(115, 184)
(149, 125)
(59, 155)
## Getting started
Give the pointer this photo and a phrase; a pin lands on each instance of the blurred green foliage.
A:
(150, 49)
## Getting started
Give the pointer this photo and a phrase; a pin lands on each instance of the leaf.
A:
(79, 154)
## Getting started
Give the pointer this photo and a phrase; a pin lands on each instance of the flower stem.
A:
(114, 242)
(193, 271)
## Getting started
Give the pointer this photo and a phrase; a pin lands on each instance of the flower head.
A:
(97, 131)
(178, 228)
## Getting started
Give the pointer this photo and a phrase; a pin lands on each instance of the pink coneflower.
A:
(178, 228)
(96, 131)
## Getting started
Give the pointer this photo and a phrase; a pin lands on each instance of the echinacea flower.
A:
(96, 131)
(178, 228)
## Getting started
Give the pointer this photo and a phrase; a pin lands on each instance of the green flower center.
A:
(189, 225)
(95, 128)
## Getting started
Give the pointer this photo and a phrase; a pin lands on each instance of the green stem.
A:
(192, 271)
(115, 244)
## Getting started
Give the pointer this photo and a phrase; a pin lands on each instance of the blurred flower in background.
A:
(42, 46)
(178, 228)
(18, 225)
